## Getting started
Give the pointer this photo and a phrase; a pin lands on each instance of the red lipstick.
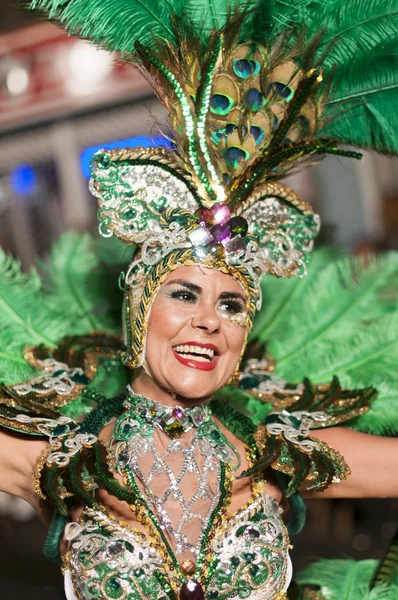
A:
(196, 364)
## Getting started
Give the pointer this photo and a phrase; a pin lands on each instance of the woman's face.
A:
(196, 331)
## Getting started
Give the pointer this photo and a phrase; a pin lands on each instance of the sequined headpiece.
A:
(253, 91)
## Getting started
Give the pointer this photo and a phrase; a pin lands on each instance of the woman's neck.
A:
(144, 385)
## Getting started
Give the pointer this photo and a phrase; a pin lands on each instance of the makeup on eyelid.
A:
(235, 311)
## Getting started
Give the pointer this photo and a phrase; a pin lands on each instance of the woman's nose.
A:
(207, 320)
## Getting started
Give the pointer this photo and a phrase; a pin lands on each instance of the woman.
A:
(160, 492)
(193, 345)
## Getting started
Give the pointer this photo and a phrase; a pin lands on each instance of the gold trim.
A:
(37, 471)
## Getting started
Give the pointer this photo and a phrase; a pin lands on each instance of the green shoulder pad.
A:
(66, 381)
(334, 404)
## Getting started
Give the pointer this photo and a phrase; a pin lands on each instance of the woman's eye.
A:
(232, 306)
(184, 296)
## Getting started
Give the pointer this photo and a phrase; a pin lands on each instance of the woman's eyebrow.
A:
(227, 295)
(190, 286)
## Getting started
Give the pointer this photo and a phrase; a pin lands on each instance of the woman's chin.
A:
(196, 388)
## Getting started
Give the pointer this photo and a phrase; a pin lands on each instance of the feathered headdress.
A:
(254, 90)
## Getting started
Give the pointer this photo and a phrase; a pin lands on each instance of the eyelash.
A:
(183, 295)
(235, 306)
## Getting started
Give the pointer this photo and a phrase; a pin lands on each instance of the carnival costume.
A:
(253, 92)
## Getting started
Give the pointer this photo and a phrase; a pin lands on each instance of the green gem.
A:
(58, 373)
(235, 561)
(259, 574)
(248, 383)
(129, 214)
(248, 556)
(127, 429)
(174, 430)
(80, 378)
(309, 220)
(213, 595)
(160, 202)
(215, 434)
(138, 572)
(253, 570)
(113, 588)
(60, 430)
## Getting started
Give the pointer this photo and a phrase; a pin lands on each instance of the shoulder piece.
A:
(62, 380)
(284, 444)
(75, 462)
(329, 403)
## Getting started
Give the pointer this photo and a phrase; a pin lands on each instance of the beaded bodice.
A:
(179, 466)
(176, 458)
(248, 558)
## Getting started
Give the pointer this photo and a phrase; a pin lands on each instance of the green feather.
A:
(342, 320)
(115, 24)
(347, 580)
(363, 104)
(79, 295)
(25, 318)
(279, 295)
(118, 24)
(353, 28)
(76, 285)
(342, 300)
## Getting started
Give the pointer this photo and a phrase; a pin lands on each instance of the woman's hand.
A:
(373, 462)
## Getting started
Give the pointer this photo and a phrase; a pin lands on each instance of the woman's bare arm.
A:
(18, 455)
(373, 462)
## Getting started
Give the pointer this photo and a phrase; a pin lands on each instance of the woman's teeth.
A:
(195, 352)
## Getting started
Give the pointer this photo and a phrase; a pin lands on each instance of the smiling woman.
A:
(168, 486)
(196, 332)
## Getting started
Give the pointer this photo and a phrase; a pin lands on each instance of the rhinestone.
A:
(115, 548)
(177, 412)
(200, 236)
(192, 590)
(188, 567)
(123, 459)
(251, 533)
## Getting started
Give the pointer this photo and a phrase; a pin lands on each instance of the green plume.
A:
(77, 286)
(25, 318)
(79, 294)
(341, 320)
(347, 580)
(353, 41)
(363, 103)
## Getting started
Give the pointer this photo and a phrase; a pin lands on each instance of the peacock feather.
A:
(255, 89)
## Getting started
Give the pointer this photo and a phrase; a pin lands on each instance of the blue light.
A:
(141, 140)
(23, 180)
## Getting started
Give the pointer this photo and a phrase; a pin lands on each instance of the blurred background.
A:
(60, 101)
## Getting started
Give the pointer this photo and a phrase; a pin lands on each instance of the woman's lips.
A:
(196, 364)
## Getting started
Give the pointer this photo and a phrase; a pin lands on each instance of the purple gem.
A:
(177, 413)
(192, 590)
(206, 216)
(221, 213)
(220, 233)
(236, 246)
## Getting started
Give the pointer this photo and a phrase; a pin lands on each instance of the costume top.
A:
(253, 92)
(190, 547)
